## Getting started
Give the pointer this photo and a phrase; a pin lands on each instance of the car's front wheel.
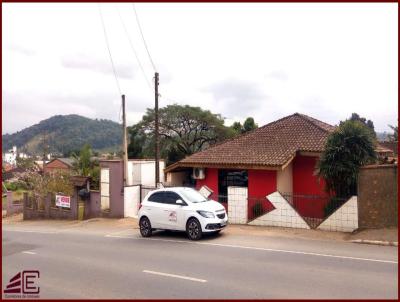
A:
(193, 229)
(145, 227)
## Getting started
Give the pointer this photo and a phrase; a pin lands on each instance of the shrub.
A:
(257, 209)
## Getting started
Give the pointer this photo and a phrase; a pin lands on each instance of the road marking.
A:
(175, 276)
(31, 231)
(29, 252)
(260, 249)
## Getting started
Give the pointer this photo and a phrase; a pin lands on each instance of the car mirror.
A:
(180, 202)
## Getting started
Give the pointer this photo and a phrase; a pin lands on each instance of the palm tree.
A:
(350, 146)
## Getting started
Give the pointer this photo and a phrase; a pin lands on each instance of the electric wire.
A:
(109, 50)
(144, 41)
(133, 49)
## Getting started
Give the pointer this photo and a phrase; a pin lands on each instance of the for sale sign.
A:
(63, 201)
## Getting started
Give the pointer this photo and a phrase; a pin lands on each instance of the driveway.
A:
(109, 259)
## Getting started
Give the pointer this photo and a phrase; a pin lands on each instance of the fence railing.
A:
(258, 206)
(314, 209)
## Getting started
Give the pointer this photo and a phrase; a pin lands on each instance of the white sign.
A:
(63, 201)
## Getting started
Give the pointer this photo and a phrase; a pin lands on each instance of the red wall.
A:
(261, 183)
(304, 180)
(306, 183)
(211, 181)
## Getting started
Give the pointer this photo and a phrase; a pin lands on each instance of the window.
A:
(171, 197)
(193, 195)
(157, 197)
(228, 178)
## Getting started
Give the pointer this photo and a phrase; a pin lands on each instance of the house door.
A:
(105, 188)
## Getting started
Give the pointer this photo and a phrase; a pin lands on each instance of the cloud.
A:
(21, 49)
(237, 97)
(84, 61)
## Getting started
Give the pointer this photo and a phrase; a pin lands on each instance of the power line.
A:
(144, 41)
(109, 51)
(134, 50)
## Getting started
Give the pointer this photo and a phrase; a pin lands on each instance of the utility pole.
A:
(124, 143)
(156, 130)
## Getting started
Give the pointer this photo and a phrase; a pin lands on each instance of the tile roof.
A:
(271, 145)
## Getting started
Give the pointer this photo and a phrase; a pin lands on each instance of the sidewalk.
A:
(99, 225)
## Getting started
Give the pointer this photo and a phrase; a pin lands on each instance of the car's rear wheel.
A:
(193, 229)
(145, 227)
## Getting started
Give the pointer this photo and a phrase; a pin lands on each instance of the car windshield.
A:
(193, 196)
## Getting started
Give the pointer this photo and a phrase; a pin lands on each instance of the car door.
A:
(155, 209)
(174, 213)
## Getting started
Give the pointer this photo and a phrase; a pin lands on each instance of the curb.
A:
(375, 242)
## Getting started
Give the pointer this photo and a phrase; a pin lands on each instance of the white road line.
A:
(31, 231)
(174, 276)
(29, 252)
(260, 249)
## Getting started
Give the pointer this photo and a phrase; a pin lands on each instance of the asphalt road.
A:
(80, 264)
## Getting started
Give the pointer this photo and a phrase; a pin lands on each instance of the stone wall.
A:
(377, 196)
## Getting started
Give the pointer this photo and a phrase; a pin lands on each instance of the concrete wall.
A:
(131, 201)
(116, 188)
(344, 219)
(285, 179)
(177, 178)
(283, 215)
(377, 196)
(32, 210)
(93, 206)
(237, 205)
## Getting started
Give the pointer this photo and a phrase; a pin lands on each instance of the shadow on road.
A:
(179, 235)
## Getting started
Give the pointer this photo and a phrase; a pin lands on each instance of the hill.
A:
(65, 133)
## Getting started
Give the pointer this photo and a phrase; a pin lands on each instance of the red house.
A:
(280, 156)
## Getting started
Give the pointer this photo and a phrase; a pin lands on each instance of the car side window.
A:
(171, 197)
(157, 197)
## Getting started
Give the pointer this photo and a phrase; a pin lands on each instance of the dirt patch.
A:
(385, 234)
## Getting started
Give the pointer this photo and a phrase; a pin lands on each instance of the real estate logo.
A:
(22, 285)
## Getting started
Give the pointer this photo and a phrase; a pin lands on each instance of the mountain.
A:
(65, 133)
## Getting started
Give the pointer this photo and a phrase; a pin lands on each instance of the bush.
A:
(333, 204)
(257, 209)
(15, 186)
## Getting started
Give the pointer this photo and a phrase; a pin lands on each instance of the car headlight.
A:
(206, 214)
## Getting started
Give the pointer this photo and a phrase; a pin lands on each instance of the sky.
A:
(264, 60)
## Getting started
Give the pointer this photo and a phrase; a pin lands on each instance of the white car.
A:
(181, 209)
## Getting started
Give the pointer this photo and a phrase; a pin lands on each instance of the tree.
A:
(350, 146)
(394, 137)
(183, 130)
(85, 165)
(237, 127)
(368, 123)
(82, 163)
(249, 124)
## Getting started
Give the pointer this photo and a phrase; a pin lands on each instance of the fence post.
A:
(25, 206)
(9, 203)
(47, 203)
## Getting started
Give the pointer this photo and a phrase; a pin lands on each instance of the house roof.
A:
(272, 145)
(68, 161)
